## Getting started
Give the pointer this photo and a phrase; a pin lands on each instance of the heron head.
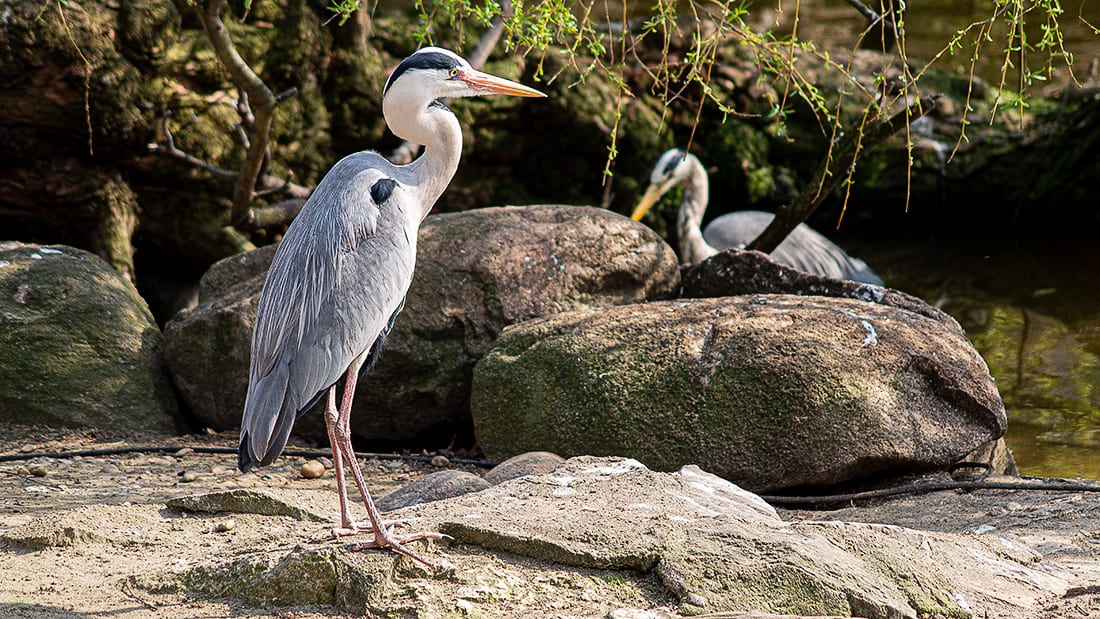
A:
(672, 167)
(434, 73)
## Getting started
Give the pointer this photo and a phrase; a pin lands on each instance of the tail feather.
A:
(265, 426)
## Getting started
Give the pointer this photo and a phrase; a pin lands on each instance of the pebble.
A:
(312, 469)
(188, 476)
(223, 526)
(37, 470)
(440, 461)
(185, 451)
(27, 448)
(110, 469)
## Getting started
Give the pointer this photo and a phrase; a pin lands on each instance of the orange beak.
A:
(491, 83)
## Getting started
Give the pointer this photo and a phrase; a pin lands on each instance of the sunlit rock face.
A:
(768, 391)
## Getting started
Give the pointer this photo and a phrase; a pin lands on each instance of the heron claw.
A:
(387, 539)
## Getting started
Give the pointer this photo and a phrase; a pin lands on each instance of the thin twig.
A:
(168, 147)
(268, 184)
(934, 486)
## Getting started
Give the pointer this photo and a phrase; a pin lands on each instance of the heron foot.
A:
(388, 539)
(354, 528)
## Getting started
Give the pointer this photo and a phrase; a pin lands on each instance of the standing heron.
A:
(340, 275)
(804, 248)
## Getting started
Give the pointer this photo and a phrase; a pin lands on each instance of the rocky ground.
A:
(94, 536)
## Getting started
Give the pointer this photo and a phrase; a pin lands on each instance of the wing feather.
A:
(340, 273)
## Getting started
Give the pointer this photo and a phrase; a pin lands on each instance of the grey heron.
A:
(804, 249)
(340, 275)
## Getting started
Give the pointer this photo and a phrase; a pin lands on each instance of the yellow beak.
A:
(649, 198)
(479, 80)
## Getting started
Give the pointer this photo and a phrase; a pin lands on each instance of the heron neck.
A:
(437, 129)
(693, 247)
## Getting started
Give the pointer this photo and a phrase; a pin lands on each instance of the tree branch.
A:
(255, 96)
(267, 183)
(834, 167)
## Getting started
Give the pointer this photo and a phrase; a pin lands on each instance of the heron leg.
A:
(339, 457)
(331, 419)
(384, 536)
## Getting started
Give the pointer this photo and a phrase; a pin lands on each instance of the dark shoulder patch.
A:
(381, 190)
(439, 104)
(426, 60)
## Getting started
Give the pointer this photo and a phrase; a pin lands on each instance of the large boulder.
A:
(477, 271)
(768, 391)
(78, 345)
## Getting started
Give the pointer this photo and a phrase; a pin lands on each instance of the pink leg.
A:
(331, 419)
(332, 424)
(340, 436)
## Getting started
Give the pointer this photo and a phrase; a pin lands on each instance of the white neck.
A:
(693, 247)
(438, 130)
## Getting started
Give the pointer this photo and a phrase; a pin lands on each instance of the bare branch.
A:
(169, 148)
(276, 214)
(255, 96)
(833, 168)
(268, 184)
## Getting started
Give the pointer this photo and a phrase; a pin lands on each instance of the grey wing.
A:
(736, 229)
(338, 277)
(804, 248)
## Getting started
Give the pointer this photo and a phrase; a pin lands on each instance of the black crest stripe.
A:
(380, 191)
(426, 60)
(673, 161)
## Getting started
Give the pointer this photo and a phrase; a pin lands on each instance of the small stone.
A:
(185, 451)
(188, 476)
(110, 469)
(695, 600)
(223, 526)
(27, 448)
(631, 613)
(440, 461)
(312, 469)
(37, 470)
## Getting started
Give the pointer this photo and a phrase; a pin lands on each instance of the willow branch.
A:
(834, 167)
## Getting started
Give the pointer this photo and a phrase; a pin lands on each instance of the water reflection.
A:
(1032, 312)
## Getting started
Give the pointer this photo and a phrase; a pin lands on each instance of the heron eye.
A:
(454, 73)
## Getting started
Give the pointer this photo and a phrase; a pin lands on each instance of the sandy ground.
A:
(110, 529)
(120, 499)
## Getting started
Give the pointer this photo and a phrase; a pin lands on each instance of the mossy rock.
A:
(78, 345)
